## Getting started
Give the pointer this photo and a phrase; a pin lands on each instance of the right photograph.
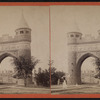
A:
(75, 49)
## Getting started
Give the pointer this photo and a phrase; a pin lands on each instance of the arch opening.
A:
(85, 73)
(7, 69)
(3, 56)
(88, 71)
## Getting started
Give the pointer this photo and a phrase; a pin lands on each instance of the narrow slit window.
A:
(77, 35)
(21, 32)
(27, 31)
(72, 35)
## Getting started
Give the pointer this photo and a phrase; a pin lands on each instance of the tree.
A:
(24, 67)
(55, 75)
(43, 77)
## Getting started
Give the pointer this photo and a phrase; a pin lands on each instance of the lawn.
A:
(76, 89)
(13, 89)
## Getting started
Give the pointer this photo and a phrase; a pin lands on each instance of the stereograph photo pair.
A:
(50, 49)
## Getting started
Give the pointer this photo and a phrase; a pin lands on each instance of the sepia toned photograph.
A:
(24, 50)
(50, 49)
(75, 49)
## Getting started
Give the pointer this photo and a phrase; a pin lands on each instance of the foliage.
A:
(55, 75)
(43, 77)
(24, 67)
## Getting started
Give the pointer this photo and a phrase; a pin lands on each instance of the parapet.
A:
(9, 39)
(6, 39)
(88, 39)
(77, 38)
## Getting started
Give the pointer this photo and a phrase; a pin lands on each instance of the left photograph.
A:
(24, 50)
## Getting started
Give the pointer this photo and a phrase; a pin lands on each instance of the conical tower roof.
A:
(75, 27)
(73, 23)
(22, 23)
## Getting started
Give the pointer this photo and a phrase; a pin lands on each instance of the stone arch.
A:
(6, 55)
(79, 63)
(7, 77)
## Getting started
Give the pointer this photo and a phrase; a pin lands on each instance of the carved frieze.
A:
(85, 47)
(14, 46)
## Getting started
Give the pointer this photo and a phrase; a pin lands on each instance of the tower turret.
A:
(73, 37)
(23, 32)
(72, 40)
(23, 35)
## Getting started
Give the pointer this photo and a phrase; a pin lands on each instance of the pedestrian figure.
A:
(64, 84)
(76, 84)
(58, 81)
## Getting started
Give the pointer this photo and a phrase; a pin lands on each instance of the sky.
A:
(64, 19)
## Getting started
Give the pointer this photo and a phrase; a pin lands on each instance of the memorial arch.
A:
(19, 45)
(79, 49)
